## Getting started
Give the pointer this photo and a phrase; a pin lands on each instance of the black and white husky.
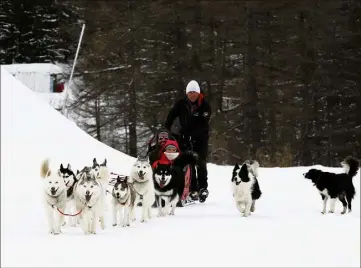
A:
(54, 196)
(123, 201)
(89, 196)
(245, 186)
(70, 180)
(169, 186)
(335, 186)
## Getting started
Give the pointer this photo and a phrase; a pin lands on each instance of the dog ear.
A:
(236, 166)
(69, 167)
(94, 161)
(126, 179)
(77, 171)
(104, 163)
(61, 167)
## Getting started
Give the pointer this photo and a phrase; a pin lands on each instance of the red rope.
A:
(71, 215)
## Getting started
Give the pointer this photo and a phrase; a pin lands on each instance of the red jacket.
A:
(163, 159)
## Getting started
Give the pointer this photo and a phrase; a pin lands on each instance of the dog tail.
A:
(351, 166)
(44, 169)
(254, 166)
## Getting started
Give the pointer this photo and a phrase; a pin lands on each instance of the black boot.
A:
(194, 195)
(203, 194)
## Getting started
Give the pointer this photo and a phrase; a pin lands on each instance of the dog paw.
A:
(114, 224)
(73, 225)
(343, 212)
(330, 211)
(124, 225)
(171, 213)
(93, 232)
(63, 224)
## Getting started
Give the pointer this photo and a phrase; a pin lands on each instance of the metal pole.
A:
(64, 110)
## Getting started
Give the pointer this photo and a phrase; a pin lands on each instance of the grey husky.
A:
(89, 199)
(123, 198)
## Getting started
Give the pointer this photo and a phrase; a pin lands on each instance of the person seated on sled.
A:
(170, 154)
(156, 144)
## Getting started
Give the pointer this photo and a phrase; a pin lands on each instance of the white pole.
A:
(64, 110)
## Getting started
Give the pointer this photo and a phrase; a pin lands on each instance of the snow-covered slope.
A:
(287, 228)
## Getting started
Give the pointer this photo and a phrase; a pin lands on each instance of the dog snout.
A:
(87, 193)
(52, 189)
(140, 172)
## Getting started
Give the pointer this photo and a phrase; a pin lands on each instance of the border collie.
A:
(333, 186)
(245, 186)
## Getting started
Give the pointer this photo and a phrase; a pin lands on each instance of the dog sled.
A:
(185, 199)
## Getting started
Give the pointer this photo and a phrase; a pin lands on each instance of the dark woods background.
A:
(283, 77)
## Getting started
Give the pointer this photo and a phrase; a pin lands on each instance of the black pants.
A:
(200, 146)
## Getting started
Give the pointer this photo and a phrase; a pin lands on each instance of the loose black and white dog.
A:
(70, 180)
(333, 186)
(54, 196)
(245, 186)
(169, 186)
(123, 201)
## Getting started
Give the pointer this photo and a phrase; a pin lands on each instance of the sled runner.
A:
(186, 200)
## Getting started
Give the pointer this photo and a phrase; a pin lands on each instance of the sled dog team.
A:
(81, 197)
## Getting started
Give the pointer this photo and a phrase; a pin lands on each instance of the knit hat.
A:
(193, 86)
(171, 146)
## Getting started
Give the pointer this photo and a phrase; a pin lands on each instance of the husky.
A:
(70, 180)
(123, 201)
(89, 197)
(101, 171)
(333, 186)
(169, 186)
(245, 186)
(54, 196)
(142, 177)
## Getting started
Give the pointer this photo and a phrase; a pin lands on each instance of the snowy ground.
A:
(287, 228)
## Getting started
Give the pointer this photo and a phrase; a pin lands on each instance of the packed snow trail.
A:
(287, 228)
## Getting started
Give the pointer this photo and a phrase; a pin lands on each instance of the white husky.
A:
(142, 177)
(54, 196)
(89, 199)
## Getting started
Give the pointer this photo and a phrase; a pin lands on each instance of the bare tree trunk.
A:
(132, 92)
(307, 72)
(97, 118)
(252, 120)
